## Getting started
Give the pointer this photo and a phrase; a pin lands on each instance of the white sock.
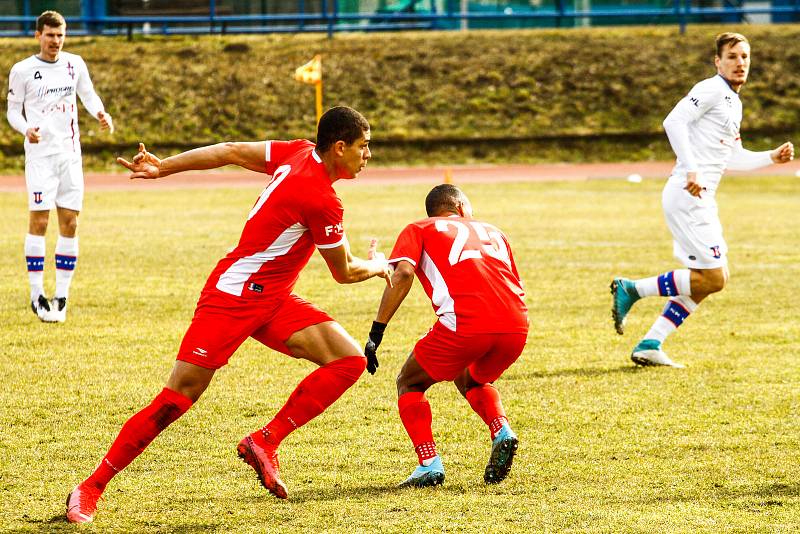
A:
(66, 257)
(675, 312)
(34, 257)
(669, 284)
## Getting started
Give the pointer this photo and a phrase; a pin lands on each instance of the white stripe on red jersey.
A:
(443, 303)
(232, 281)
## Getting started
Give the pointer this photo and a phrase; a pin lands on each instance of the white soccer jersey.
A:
(703, 130)
(47, 91)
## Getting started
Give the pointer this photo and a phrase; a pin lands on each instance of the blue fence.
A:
(113, 17)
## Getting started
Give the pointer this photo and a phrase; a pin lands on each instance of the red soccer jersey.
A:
(297, 212)
(468, 272)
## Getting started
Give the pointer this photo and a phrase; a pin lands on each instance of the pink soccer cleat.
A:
(82, 503)
(265, 462)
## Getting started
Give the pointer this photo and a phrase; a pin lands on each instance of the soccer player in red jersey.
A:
(249, 293)
(467, 270)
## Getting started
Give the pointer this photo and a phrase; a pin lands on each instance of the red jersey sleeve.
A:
(277, 152)
(325, 222)
(408, 246)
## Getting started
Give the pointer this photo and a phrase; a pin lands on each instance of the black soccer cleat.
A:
(504, 447)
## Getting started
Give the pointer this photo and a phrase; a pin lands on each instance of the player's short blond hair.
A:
(729, 38)
(54, 19)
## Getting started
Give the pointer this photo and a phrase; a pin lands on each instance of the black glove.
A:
(371, 348)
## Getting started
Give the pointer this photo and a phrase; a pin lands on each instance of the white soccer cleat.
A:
(41, 307)
(648, 352)
(58, 309)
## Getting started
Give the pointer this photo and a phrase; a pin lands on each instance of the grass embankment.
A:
(510, 96)
(605, 447)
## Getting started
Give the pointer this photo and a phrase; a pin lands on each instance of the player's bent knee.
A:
(717, 281)
(38, 225)
(69, 229)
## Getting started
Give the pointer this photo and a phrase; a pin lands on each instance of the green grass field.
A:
(605, 447)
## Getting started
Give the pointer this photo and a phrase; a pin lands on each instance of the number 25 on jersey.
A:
(474, 240)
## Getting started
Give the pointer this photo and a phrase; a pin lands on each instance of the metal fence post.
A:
(212, 12)
(682, 14)
(332, 19)
(26, 12)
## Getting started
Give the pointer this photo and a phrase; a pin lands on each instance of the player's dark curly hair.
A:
(443, 198)
(340, 124)
(49, 18)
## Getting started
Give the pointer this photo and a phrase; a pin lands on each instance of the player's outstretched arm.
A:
(348, 269)
(393, 296)
(783, 154)
(245, 154)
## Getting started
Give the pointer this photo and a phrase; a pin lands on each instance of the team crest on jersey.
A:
(729, 101)
(715, 251)
(70, 70)
(37, 197)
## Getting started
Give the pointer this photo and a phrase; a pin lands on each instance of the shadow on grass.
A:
(581, 371)
(369, 491)
(59, 523)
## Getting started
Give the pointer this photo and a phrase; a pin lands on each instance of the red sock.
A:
(415, 413)
(312, 396)
(137, 433)
(485, 400)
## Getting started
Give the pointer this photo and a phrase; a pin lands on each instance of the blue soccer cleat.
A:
(425, 476)
(648, 352)
(504, 447)
(623, 292)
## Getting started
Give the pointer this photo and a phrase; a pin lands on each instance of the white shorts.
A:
(696, 230)
(55, 180)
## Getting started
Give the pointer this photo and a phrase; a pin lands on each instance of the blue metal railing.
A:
(94, 20)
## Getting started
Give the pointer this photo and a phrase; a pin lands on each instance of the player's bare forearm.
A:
(394, 296)
(247, 155)
(359, 269)
(348, 269)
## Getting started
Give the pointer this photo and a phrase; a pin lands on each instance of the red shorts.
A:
(222, 322)
(444, 354)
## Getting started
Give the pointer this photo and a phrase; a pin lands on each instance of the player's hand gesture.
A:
(374, 255)
(371, 348)
(144, 165)
(692, 185)
(783, 154)
(106, 123)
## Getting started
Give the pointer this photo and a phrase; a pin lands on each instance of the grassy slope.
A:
(431, 96)
(605, 447)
